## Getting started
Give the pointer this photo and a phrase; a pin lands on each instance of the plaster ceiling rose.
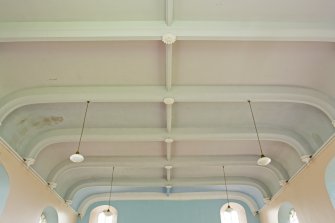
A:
(169, 38)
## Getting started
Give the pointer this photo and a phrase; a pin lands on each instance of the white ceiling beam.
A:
(179, 93)
(71, 190)
(153, 30)
(168, 39)
(168, 169)
(168, 66)
(168, 142)
(168, 108)
(168, 118)
(169, 12)
(31, 147)
(64, 167)
(91, 200)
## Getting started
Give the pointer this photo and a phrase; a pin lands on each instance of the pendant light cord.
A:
(110, 191)
(225, 183)
(253, 118)
(83, 126)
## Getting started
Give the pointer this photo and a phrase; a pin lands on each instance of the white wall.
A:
(307, 193)
(28, 196)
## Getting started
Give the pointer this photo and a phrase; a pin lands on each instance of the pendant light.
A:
(77, 157)
(228, 209)
(263, 160)
(108, 211)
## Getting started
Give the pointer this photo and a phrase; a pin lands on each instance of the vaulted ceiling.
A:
(167, 114)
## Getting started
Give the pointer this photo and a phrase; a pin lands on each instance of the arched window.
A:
(98, 216)
(4, 188)
(49, 215)
(102, 218)
(287, 214)
(43, 219)
(293, 216)
(238, 214)
(330, 181)
(230, 217)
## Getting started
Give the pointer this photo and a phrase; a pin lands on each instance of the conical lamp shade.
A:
(77, 157)
(108, 213)
(263, 161)
(229, 209)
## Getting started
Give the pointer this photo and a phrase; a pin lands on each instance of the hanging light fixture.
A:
(263, 160)
(108, 211)
(77, 157)
(228, 209)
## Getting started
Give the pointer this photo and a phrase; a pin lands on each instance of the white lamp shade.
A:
(263, 161)
(108, 213)
(77, 157)
(229, 209)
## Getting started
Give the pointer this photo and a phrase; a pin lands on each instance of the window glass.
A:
(4, 187)
(237, 215)
(102, 218)
(230, 217)
(43, 219)
(330, 181)
(98, 216)
(293, 216)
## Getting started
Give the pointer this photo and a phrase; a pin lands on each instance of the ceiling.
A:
(54, 56)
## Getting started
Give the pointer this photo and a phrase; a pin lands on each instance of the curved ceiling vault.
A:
(191, 90)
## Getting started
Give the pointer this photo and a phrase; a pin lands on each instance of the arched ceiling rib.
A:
(157, 151)
(41, 141)
(153, 177)
(157, 94)
(245, 189)
(251, 203)
(95, 182)
(153, 162)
